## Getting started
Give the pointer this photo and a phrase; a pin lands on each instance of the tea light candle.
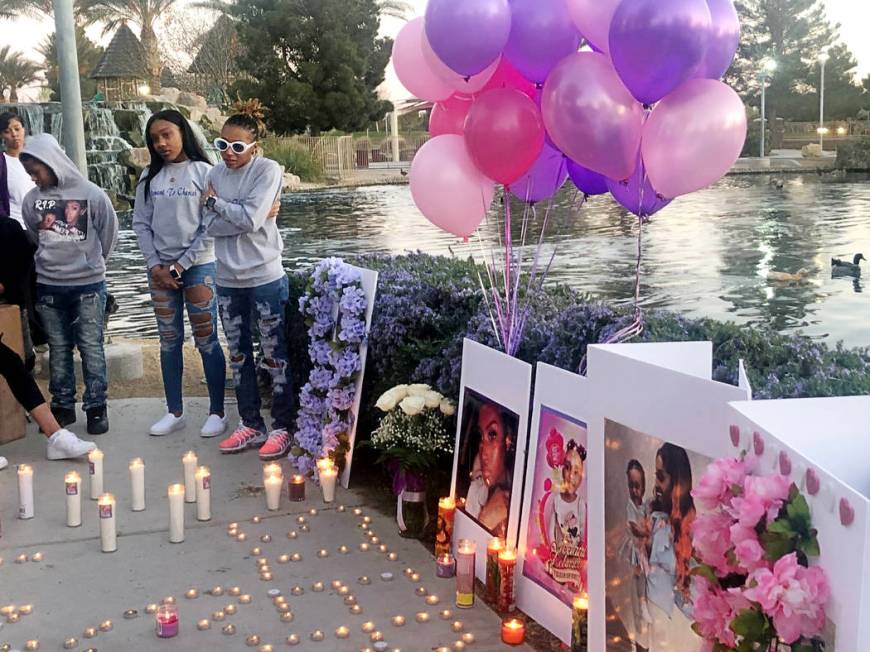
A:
(73, 488)
(465, 573)
(580, 623)
(343, 549)
(368, 627)
(235, 591)
(297, 590)
(356, 610)
(202, 478)
(89, 632)
(286, 617)
(151, 608)
(432, 600)
(376, 636)
(328, 475)
(364, 546)
(26, 609)
(507, 563)
(230, 609)
(167, 621)
(317, 635)
(421, 590)
(216, 590)
(393, 556)
(245, 598)
(414, 577)
(444, 528)
(168, 600)
(446, 614)
(323, 552)
(203, 624)
(191, 594)
(398, 621)
(283, 559)
(457, 626)
(137, 484)
(293, 639)
(189, 461)
(218, 615)
(513, 631)
(296, 556)
(25, 491)
(493, 582)
(70, 643)
(32, 644)
(349, 600)
(422, 617)
(296, 488)
(468, 638)
(357, 511)
(266, 576)
(317, 587)
(342, 632)
(228, 629)
(108, 533)
(176, 511)
(252, 640)
(95, 470)
(273, 485)
(445, 566)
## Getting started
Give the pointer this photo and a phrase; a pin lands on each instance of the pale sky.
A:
(853, 16)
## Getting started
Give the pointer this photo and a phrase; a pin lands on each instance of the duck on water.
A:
(845, 268)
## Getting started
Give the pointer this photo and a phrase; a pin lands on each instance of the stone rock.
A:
(169, 94)
(291, 182)
(127, 119)
(192, 100)
(813, 150)
(137, 158)
(136, 137)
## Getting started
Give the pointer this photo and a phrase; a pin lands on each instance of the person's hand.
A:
(208, 193)
(161, 278)
(276, 207)
(494, 514)
(179, 267)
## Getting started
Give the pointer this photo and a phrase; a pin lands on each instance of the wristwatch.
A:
(209, 203)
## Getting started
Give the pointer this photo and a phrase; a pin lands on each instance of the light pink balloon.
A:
(447, 188)
(693, 137)
(460, 84)
(591, 116)
(411, 67)
(592, 18)
(448, 117)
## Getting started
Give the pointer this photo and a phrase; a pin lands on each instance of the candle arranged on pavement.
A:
(273, 484)
(108, 532)
(176, 512)
(137, 484)
(513, 631)
(25, 491)
(203, 493)
(73, 488)
(328, 474)
(296, 488)
(95, 469)
(189, 461)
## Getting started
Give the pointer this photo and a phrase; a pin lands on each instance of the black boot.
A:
(64, 416)
(98, 420)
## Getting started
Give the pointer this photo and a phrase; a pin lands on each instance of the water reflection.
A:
(707, 254)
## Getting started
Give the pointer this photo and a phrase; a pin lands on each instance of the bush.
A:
(854, 155)
(294, 156)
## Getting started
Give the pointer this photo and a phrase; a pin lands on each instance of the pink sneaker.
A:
(242, 438)
(276, 446)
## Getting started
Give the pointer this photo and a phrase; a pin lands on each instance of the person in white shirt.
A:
(18, 181)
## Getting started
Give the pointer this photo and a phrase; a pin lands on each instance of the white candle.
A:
(273, 483)
(95, 468)
(73, 488)
(203, 494)
(137, 484)
(108, 533)
(176, 513)
(25, 491)
(328, 474)
(189, 460)
(272, 468)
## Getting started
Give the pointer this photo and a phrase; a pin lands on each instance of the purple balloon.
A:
(634, 197)
(468, 35)
(587, 181)
(723, 40)
(542, 34)
(544, 179)
(656, 45)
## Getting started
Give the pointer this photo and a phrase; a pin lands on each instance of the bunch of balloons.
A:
(621, 95)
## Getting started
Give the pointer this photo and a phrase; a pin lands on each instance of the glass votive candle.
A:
(167, 621)
(513, 631)
(465, 554)
(445, 566)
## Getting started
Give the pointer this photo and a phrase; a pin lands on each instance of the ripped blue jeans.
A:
(73, 317)
(267, 303)
(197, 294)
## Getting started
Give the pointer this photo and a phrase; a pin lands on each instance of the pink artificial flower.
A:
(714, 610)
(762, 497)
(715, 487)
(555, 445)
(747, 548)
(793, 596)
(711, 540)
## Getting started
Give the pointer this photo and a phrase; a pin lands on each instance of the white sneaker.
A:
(64, 445)
(3, 462)
(213, 426)
(169, 423)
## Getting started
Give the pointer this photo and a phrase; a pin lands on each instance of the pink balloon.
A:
(447, 188)
(507, 76)
(693, 137)
(592, 18)
(411, 67)
(448, 117)
(504, 134)
(591, 116)
(459, 83)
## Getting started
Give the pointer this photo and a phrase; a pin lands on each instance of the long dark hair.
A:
(189, 145)
(676, 463)
(8, 116)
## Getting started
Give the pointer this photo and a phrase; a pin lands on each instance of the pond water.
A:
(705, 255)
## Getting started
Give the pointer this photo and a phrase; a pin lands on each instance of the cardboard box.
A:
(12, 422)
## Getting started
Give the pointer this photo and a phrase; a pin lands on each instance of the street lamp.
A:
(767, 69)
(823, 59)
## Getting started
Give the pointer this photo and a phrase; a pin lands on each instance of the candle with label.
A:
(108, 531)
(507, 563)
(167, 621)
(189, 461)
(445, 566)
(493, 548)
(444, 530)
(513, 631)
(203, 493)
(137, 484)
(25, 491)
(95, 470)
(580, 624)
(296, 488)
(176, 512)
(328, 474)
(465, 553)
(72, 482)
(273, 484)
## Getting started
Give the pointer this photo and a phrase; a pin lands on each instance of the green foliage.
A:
(317, 64)
(16, 71)
(854, 155)
(294, 156)
(792, 531)
(754, 627)
(89, 55)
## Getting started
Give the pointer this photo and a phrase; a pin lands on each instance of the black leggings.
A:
(21, 383)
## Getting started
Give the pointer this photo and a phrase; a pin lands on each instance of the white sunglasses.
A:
(238, 146)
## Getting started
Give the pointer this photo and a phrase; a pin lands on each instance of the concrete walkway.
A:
(75, 586)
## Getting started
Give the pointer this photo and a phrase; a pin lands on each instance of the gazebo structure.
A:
(121, 71)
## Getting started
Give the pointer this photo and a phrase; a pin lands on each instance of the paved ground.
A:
(76, 586)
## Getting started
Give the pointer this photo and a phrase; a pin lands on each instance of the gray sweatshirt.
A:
(74, 221)
(248, 245)
(168, 222)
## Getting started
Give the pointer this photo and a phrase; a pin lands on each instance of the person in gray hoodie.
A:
(76, 229)
(252, 283)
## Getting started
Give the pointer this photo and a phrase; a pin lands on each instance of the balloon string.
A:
(508, 256)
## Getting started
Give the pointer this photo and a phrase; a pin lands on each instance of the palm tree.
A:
(89, 55)
(393, 8)
(10, 9)
(16, 72)
(144, 13)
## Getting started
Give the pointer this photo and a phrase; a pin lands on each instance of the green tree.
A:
(316, 63)
(16, 72)
(10, 9)
(144, 13)
(88, 54)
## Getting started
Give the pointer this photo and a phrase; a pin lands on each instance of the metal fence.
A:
(840, 128)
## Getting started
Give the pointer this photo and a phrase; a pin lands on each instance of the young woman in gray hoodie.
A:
(76, 228)
(252, 285)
